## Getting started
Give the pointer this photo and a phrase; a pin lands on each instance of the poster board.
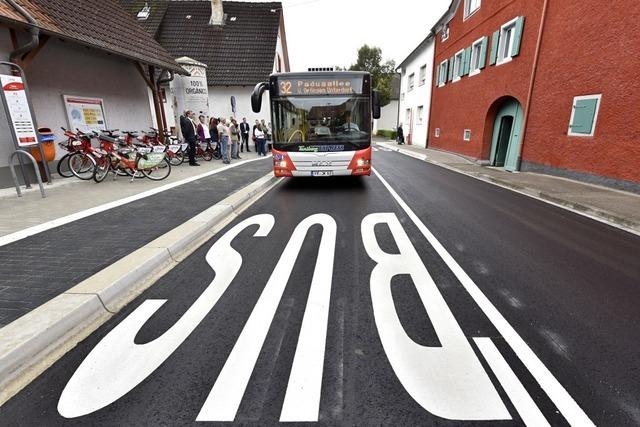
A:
(18, 110)
(86, 114)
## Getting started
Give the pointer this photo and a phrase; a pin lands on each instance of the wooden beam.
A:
(156, 102)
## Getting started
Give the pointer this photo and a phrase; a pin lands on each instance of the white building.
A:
(415, 92)
(102, 61)
(389, 113)
(241, 43)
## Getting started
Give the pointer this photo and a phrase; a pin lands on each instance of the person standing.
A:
(235, 139)
(400, 135)
(204, 135)
(244, 133)
(189, 134)
(223, 136)
(253, 135)
(261, 140)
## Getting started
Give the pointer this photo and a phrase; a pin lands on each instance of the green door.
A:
(505, 145)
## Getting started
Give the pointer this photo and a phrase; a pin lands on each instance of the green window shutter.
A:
(494, 48)
(583, 116)
(483, 52)
(467, 61)
(517, 37)
(445, 71)
(452, 62)
(437, 75)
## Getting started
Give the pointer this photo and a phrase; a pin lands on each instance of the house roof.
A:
(239, 53)
(101, 24)
(422, 44)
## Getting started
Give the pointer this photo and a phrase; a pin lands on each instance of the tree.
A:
(370, 60)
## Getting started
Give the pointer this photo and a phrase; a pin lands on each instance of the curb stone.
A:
(580, 209)
(32, 343)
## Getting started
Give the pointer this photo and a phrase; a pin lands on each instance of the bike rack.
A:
(15, 177)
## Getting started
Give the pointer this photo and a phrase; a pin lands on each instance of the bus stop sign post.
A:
(21, 118)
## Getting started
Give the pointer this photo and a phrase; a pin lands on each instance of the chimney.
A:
(217, 13)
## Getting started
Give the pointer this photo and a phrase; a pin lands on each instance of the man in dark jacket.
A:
(244, 133)
(189, 133)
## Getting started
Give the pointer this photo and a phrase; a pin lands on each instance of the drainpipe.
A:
(33, 29)
(160, 82)
(534, 69)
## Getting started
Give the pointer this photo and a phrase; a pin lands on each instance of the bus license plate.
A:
(322, 173)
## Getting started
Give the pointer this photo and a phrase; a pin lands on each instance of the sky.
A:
(326, 33)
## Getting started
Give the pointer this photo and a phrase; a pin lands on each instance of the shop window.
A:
(420, 113)
(584, 115)
(471, 7)
(423, 75)
(467, 135)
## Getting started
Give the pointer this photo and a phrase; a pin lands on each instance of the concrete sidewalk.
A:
(619, 208)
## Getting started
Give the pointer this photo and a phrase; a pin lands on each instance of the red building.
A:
(541, 85)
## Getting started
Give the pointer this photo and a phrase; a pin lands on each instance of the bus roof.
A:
(319, 74)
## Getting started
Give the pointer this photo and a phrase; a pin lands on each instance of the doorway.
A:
(505, 144)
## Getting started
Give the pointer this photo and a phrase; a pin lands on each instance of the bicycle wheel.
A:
(82, 165)
(177, 159)
(160, 172)
(63, 166)
(101, 171)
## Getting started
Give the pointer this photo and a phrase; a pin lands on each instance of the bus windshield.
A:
(322, 120)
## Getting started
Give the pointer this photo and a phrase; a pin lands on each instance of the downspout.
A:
(160, 82)
(33, 29)
(534, 69)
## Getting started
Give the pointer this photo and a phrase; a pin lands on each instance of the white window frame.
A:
(464, 135)
(437, 132)
(442, 77)
(422, 78)
(458, 63)
(411, 82)
(444, 35)
(474, 57)
(420, 113)
(595, 117)
(511, 25)
(469, 13)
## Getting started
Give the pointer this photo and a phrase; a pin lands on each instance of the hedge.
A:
(391, 134)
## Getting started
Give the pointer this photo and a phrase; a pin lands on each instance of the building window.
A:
(584, 115)
(458, 63)
(408, 116)
(444, 35)
(478, 56)
(402, 96)
(423, 75)
(411, 82)
(470, 7)
(420, 114)
(505, 43)
(437, 132)
(442, 72)
(467, 135)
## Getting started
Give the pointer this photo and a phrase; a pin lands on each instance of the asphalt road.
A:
(424, 297)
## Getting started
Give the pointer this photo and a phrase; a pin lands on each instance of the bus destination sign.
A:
(320, 86)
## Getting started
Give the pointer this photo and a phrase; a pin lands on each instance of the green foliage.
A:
(370, 60)
(391, 134)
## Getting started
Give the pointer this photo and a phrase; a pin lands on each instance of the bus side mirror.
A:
(375, 104)
(256, 96)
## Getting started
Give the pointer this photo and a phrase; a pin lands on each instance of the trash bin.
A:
(47, 138)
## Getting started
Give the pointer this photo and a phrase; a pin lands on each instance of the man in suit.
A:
(244, 132)
(189, 133)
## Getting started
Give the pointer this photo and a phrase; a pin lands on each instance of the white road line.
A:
(226, 395)
(556, 392)
(524, 404)
(302, 400)
(27, 232)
